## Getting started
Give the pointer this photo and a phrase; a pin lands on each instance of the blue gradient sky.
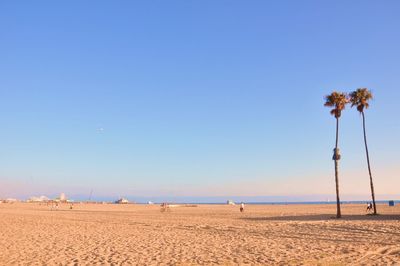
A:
(196, 98)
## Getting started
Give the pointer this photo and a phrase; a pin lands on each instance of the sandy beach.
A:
(207, 234)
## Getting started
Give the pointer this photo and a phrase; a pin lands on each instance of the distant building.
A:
(10, 200)
(38, 199)
(122, 201)
(63, 197)
(230, 202)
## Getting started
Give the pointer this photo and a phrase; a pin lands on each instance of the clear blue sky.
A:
(196, 98)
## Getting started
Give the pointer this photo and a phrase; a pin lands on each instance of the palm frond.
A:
(338, 101)
(360, 98)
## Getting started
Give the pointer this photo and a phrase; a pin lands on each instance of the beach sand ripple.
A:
(105, 234)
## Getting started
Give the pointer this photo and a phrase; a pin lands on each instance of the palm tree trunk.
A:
(338, 212)
(369, 166)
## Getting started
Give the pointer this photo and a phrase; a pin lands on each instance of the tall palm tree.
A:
(338, 101)
(360, 98)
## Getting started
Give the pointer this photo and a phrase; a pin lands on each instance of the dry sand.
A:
(208, 234)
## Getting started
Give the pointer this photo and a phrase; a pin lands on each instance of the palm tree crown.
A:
(360, 98)
(338, 101)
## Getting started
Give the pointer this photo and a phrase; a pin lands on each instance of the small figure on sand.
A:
(54, 206)
(165, 207)
(369, 207)
(242, 207)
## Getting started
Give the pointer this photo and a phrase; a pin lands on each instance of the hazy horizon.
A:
(111, 196)
(328, 198)
(187, 99)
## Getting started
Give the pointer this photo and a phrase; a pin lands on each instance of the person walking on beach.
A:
(242, 207)
(369, 207)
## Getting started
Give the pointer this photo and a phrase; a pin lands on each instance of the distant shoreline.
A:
(287, 203)
(259, 203)
(236, 202)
